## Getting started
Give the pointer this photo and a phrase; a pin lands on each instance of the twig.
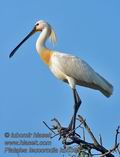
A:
(89, 131)
(116, 136)
(110, 151)
(100, 139)
(83, 133)
(116, 139)
(49, 127)
(58, 123)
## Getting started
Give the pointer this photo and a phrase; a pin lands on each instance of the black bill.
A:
(16, 48)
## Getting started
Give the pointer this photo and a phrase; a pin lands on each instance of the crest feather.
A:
(53, 37)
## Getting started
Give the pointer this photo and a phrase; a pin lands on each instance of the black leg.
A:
(77, 102)
(70, 130)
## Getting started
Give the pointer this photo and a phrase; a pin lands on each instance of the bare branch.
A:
(116, 136)
(69, 138)
(58, 123)
(100, 139)
(110, 151)
(89, 130)
(48, 127)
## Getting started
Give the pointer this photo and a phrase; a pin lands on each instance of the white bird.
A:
(67, 68)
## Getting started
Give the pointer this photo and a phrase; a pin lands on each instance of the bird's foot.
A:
(64, 132)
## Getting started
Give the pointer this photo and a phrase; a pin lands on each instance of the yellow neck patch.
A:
(45, 55)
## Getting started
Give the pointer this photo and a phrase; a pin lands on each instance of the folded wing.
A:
(82, 72)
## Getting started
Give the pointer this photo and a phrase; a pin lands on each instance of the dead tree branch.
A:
(69, 138)
(89, 130)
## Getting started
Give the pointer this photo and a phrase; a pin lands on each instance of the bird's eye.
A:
(37, 24)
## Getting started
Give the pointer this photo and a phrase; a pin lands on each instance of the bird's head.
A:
(38, 27)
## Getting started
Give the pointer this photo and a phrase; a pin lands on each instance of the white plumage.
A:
(66, 66)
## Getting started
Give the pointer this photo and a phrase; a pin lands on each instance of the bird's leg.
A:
(70, 130)
(77, 102)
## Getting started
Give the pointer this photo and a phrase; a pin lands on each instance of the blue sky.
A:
(29, 93)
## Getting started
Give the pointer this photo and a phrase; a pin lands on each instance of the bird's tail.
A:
(104, 86)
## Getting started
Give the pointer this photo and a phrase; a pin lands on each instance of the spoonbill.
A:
(67, 68)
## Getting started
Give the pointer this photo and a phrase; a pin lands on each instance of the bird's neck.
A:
(46, 55)
(40, 44)
(44, 52)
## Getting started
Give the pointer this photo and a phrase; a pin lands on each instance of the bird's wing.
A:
(74, 67)
(83, 74)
